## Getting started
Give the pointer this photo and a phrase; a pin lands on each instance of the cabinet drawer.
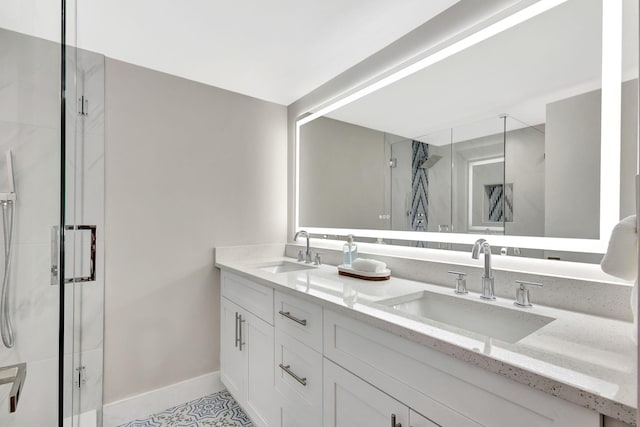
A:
(448, 391)
(300, 319)
(255, 298)
(298, 378)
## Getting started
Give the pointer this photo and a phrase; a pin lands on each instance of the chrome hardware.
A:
(300, 256)
(317, 260)
(55, 258)
(82, 376)
(522, 293)
(240, 342)
(14, 374)
(236, 336)
(307, 258)
(288, 315)
(285, 368)
(461, 282)
(393, 421)
(481, 245)
(83, 106)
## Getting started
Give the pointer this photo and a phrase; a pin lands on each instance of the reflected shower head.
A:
(431, 160)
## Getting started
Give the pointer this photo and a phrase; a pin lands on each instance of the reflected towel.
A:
(621, 259)
(368, 265)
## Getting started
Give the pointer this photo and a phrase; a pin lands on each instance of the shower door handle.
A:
(55, 254)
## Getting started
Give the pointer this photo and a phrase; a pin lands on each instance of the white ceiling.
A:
(276, 50)
(518, 72)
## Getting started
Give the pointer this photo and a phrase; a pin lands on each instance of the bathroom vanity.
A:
(303, 346)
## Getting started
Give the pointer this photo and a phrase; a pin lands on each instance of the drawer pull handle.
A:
(240, 342)
(285, 368)
(237, 339)
(393, 421)
(288, 315)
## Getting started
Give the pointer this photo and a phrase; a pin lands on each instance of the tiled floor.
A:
(216, 410)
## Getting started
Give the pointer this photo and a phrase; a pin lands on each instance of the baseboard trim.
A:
(153, 401)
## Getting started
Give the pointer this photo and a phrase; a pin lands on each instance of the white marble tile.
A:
(34, 307)
(29, 81)
(36, 153)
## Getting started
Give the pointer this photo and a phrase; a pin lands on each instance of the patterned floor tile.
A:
(216, 410)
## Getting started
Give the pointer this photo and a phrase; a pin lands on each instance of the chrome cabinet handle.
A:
(393, 421)
(240, 322)
(285, 368)
(236, 330)
(288, 315)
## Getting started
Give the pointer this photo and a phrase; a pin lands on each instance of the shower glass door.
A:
(84, 240)
(51, 351)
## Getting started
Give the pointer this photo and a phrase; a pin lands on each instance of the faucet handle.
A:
(317, 260)
(461, 282)
(300, 256)
(522, 293)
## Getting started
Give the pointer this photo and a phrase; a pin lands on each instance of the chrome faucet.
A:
(487, 276)
(307, 258)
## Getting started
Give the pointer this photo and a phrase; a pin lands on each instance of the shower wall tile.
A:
(29, 80)
(36, 153)
(35, 303)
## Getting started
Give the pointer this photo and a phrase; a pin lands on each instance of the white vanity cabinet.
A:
(447, 391)
(246, 349)
(291, 363)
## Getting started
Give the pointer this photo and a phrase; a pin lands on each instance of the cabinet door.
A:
(232, 360)
(417, 420)
(350, 401)
(260, 391)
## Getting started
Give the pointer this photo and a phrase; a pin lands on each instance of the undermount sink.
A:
(510, 325)
(284, 267)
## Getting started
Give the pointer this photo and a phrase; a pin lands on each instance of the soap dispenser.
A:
(349, 251)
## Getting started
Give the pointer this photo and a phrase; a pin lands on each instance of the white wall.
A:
(189, 167)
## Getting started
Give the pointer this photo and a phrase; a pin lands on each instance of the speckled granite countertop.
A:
(584, 359)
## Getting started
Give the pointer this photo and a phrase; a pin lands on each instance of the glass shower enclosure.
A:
(52, 211)
(481, 177)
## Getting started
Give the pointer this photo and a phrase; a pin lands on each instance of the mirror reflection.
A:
(503, 137)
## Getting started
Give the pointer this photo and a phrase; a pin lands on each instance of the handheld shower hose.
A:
(8, 206)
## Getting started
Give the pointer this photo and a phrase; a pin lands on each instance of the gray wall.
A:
(189, 167)
(342, 175)
(572, 201)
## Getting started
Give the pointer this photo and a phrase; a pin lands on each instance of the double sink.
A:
(465, 312)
